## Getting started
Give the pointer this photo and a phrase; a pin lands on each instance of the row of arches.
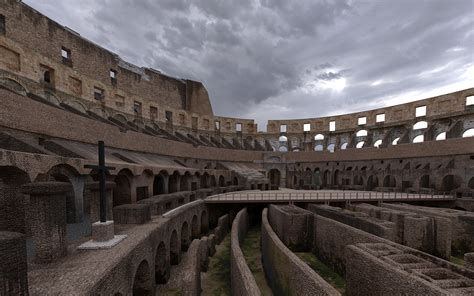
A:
(168, 253)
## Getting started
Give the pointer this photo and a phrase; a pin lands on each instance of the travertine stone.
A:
(13, 264)
(93, 199)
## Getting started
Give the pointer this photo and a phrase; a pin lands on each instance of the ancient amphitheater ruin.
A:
(379, 202)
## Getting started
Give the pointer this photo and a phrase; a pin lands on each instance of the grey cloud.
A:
(268, 58)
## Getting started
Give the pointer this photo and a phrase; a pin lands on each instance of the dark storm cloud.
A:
(288, 58)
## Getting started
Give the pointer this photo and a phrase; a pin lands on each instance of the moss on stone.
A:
(253, 256)
(217, 282)
(329, 275)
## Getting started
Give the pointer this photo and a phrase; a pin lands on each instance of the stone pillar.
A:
(48, 219)
(93, 200)
(13, 264)
(469, 260)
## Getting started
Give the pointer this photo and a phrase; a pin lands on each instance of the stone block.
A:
(156, 205)
(132, 214)
(469, 260)
(102, 232)
(48, 219)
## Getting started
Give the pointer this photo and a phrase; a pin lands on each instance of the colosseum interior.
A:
(371, 203)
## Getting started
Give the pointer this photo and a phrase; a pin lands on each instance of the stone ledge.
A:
(46, 188)
(95, 245)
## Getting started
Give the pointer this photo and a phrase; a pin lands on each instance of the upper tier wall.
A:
(21, 113)
(449, 104)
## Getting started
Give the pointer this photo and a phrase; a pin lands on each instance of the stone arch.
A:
(425, 181)
(51, 98)
(13, 85)
(184, 181)
(336, 177)
(468, 133)
(142, 283)
(195, 231)
(162, 272)
(122, 193)
(235, 181)
(76, 105)
(358, 180)
(221, 181)
(12, 202)
(99, 112)
(274, 175)
(204, 222)
(173, 182)
(372, 182)
(213, 181)
(389, 181)
(185, 238)
(205, 180)
(67, 174)
(159, 183)
(450, 182)
(326, 178)
(471, 183)
(174, 248)
(120, 117)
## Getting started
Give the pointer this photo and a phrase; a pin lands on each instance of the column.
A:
(48, 219)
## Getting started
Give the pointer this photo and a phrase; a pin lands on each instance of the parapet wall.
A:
(289, 274)
(242, 279)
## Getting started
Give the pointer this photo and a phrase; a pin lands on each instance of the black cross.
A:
(102, 169)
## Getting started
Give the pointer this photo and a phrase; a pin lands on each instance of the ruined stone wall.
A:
(289, 274)
(242, 279)
(293, 226)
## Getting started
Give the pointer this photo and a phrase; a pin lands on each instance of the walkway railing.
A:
(322, 195)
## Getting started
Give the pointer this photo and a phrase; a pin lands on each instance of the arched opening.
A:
(185, 240)
(336, 177)
(362, 133)
(67, 174)
(395, 141)
(173, 182)
(274, 176)
(425, 181)
(283, 139)
(205, 180)
(47, 76)
(12, 201)
(441, 136)
(195, 227)
(326, 178)
(221, 181)
(468, 133)
(419, 139)
(174, 248)
(372, 182)
(377, 143)
(142, 284)
(331, 147)
(471, 183)
(235, 181)
(420, 125)
(319, 147)
(213, 181)
(283, 149)
(159, 184)
(360, 144)
(122, 192)
(358, 180)
(450, 182)
(389, 181)
(204, 222)
(184, 182)
(319, 137)
(161, 267)
(344, 146)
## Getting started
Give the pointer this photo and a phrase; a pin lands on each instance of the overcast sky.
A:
(264, 59)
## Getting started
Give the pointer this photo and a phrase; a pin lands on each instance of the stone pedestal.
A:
(93, 199)
(13, 264)
(102, 232)
(48, 219)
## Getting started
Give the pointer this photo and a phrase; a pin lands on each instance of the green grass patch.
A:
(253, 256)
(218, 280)
(457, 260)
(329, 275)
